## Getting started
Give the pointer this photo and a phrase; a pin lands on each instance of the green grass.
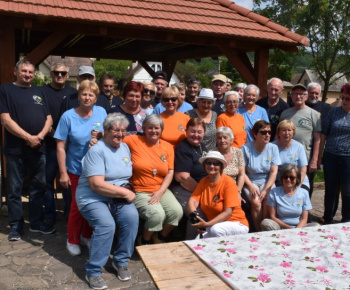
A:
(319, 177)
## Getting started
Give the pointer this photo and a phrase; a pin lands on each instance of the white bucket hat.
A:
(214, 155)
(206, 94)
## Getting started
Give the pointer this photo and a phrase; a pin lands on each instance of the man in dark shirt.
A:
(55, 94)
(27, 120)
(107, 85)
(273, 103)
(218, 85)
(85, 73)
(160, 81)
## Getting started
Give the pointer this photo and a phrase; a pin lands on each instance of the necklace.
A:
(289, 199)
(154, 171)
(200, 147)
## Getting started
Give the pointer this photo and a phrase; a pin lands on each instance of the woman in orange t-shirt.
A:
(233, 120)
(153, 170)
(174, 121)
(217, 196)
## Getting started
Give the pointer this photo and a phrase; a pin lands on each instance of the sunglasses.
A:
(215, 163)
(232, 103)
(167, 100)
(292, 178)
(343, 98)
(264, 132)
(57, 73)
(151, 92)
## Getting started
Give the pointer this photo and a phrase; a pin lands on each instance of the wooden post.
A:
(147, 67)
(261, 63)
(168, 67)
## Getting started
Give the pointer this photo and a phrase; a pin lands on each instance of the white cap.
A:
(206, 94)
(86, 69)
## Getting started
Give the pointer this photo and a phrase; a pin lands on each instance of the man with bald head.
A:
(273, 103)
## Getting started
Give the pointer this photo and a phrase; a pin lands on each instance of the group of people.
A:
(219, 157)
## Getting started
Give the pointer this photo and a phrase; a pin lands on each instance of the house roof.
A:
(314, 77)
(171, 22)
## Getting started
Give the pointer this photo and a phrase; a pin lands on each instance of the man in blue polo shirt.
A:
(27, 120)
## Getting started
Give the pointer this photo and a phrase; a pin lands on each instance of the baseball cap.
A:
(86, 69)
(219, 77)
(299, 86)
(160, 75)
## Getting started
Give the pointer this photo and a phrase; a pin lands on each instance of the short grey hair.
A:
(25, 62)
(275, 79)
(153, 119)
(239, 86)
(230, 93)
(117, 119)
(225, 130)
(58, 64)
(314, 85)
(148, 83)
(252, 87)
(287, 170)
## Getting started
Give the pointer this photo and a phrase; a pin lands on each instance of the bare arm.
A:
(323, 139)
(46, 128)
(272, 214)
(99, 185)
(271, 180)
(221, 217)
(303, 170)
(61, 159)
(316, 149)
(192, 205)
(157, 195)
(250, 186)
(186, 181)
(303, 219)
(240, 177)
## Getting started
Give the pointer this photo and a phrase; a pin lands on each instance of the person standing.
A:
(160, 81)
(273, 103)
(218, 85)
(107, 85)
(24, 148)
(55, 94)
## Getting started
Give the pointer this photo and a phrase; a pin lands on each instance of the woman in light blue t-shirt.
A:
(287, 205)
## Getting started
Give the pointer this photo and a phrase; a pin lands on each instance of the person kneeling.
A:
(217, 195)
(288, 205)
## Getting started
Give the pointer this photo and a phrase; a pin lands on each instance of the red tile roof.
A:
(220, 17)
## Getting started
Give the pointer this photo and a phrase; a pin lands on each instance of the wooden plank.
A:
(175, 266)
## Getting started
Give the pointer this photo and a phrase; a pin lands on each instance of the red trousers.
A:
(76, 223)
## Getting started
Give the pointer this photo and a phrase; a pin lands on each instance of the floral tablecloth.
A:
(312, 258)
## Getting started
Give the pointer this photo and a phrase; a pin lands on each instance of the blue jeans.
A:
(336, 172)
(17, 165)
(103, 223)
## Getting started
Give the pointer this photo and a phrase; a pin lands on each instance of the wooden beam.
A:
(169, 66)
(44, 49)
(261, 63)
(147, 67)
(241, 62)
(7, 53)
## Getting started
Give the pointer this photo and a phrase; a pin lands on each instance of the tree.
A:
(326, 25)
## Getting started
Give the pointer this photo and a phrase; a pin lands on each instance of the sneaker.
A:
(42, 228)
(73, 249)
(14, 236)
(85, 242)
(49, 221)
(96, 282)
(123, 272)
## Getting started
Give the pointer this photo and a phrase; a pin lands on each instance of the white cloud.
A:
(245, 3)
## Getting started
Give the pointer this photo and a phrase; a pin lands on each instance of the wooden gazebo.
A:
(142, 30)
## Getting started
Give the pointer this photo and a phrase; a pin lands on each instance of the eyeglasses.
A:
(57, 73)
(151, 92)
(343, 98)
(292, 178)
(264, 132)
(299, 94)
(167, 100)
(123, 131)
(232, 103)
(215, 163)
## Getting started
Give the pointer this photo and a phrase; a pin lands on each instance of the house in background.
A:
(138, 74)
(72, 62)
(309, 76)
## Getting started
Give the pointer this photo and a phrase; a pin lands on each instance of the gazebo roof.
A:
(173, 25)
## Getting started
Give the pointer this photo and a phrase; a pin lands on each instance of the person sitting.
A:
(261, 160)
(287, 205)
(153, 170)
(107, 168)
(204, 111)
(174, 121)
(132, 95)
(217, 196)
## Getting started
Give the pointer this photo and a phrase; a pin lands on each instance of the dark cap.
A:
(160, 75)
(301, 86)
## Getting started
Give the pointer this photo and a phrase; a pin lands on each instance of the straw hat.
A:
(216, 155)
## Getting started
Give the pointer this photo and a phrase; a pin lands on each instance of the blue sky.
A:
(245, 3)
